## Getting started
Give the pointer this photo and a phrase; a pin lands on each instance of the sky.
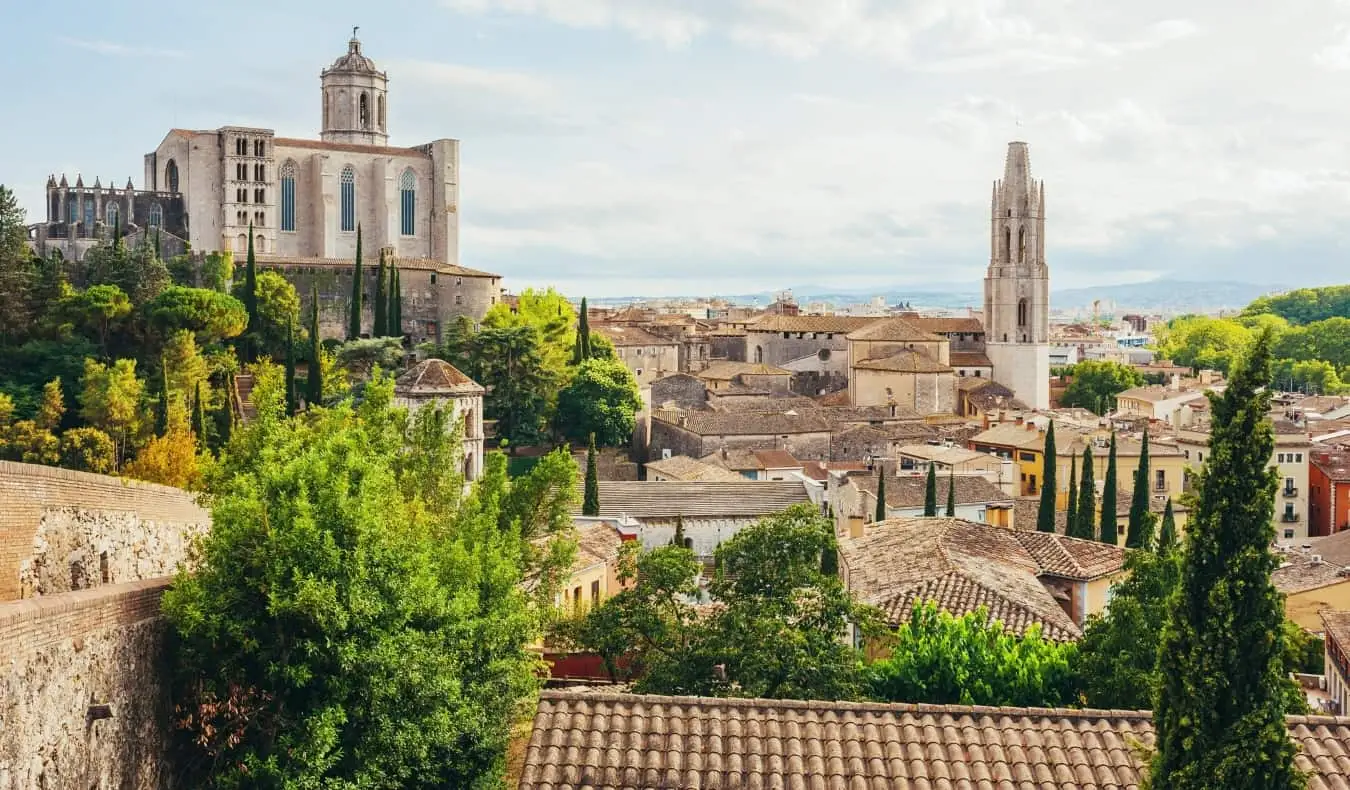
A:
(662, 147)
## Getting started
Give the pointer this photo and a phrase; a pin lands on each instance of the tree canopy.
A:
(1096, 383)
(601, 400)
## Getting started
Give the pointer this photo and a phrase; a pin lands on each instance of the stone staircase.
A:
(243, 400)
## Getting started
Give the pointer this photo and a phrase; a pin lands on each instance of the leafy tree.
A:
(879, 514)
(456, 347)
(162, 404)
(1072, 518)
(111, 401)
(930, 492)
(381, 307)
(1097, 382)
(16, 270)
(100, 308)
(53, 406)
(591, 506)
(30, 443)
(199, 419)
(292, 394)
(1137, 532)
(951, 493)
(211, 316)
(354, 316)
(25, 369)
(314, 376)
(1305, 305)
(678, 539)
(1201, 342)
(554, 322)
(249, 297)
(972, 660)
(184, 366)
(1312, 376)
(1107, 533)
(395, 301)
(510, 364)
(88, 450)
(601, 398)
(354, 637)
(1167, 538)
(583, 342)
(217, 271)
(1045, 515)
(278, 309)
(169, 459)
(137, 271)
(1084, 523)
(360, 357)
(1220, 708)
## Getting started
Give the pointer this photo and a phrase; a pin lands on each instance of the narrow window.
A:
(1021, 312)
(348, 198)
(408, 202)
(381, 113)
(365, 111)
(288, 196)
(111, 212)
(171, 175)
(156, 216)
(1021, 245)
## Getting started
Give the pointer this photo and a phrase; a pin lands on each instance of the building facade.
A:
(438, 384)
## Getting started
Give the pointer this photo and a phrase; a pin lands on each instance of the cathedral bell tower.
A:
(354, 97)
(1017, 284)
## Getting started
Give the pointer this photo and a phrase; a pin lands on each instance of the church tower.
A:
(1017, 285)
(354, 97)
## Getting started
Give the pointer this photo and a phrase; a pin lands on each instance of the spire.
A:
(130, 188)
(64, 183)
(51, 181)
(1017, 170)
(98, 184)
(79, 181)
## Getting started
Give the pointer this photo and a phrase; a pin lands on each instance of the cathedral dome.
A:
(353, 60)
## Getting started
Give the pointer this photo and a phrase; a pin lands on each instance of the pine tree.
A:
(199, 418)
(292, 395)
(1108, 526)
(354, 319)
(1045, 516)
(879, 513)
(951, 493)
(1220, 707)
(162, 409)
(591, 503)
(395, 315)
(314, 381)
(678, 540)
(1136, 531)
(381, 328)
(930, 506)
(584, 331)
(1167, 537)
(1072, 517)
(251, 302)
(1085, 524)
(227, 419)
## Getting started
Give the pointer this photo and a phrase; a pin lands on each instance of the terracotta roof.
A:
(942, 454)
(776, 459)
(944, 326)
(423, 264)
(716, 423)
(1336, 625)
(1155, 393)
(770, 403)
(907, 361)
(1072, 558)
(909, 491)
(845, 415)
(597, 542)
(1334, 548)
(726, 331)
(1026, 511)
(896, 330)
(1301, 573)
(726, 371)
(959, 564)
(355, 148)
(712, 499)
(631, 336)
(993, 396)
(734, 459)
(1335, 464)
(1010, 434)
(830, 324)
(970, 359)
(435, 377)
(686, 469)
(607, 741)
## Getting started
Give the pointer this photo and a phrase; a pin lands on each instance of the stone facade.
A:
(783, 339)
(806, 443)
(62, 530)
(681, 390)
(81, 217)
(66, 653)
(437, 383)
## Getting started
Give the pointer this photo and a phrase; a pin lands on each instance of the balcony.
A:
(1289, 518)
(1288, 492)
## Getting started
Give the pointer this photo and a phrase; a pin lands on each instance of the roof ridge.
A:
(1033, 615)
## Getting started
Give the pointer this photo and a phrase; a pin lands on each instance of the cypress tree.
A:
(1085, 524)
(879, 513)
(1136, 531)
(117, 232)
(1219, 711)
(584, 330)
(162, 409)
(1045, 516)
(1073, 495)
(354, 319)
(951, 493)
(1167, 538)
(576, 349)
(829, 560)
(292, 395)
(161, 257)
(930, 491)
(1108, 525)
(678, 540)
(381, 300)
(199, 418)
(251, 301)
(394, 317)
(314, 381)
(590, 505)
(227, 419)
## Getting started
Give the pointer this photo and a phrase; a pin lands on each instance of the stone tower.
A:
(1017, 285)
(355, 94)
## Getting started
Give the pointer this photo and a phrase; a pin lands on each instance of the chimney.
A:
(1031, 426)
(1019, 419)
(855, 526)
(1176, 382)
(986, 420)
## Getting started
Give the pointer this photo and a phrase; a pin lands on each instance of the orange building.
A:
(1329, 492)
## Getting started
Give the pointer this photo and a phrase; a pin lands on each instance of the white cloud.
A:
(120, 50)
(663, 22)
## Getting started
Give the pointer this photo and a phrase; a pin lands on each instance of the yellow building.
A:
(1023, 442)
(1166, 466)
(593, 576)
(1314, 577)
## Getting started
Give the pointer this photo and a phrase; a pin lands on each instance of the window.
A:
(326, 102)
(433, 278)
(459, 299)
(576, 591)
(288, 196)
(240, 196)
(381, 112)
(259, 219)
(259, 149)
(156, 216)
(111, 214)
(1288, 534)
(365, 111)
(348, 198)
(1021, 245)
(240, 171)
(171, 175)
(1298, 458)
(759, 354)
(241, 147)
(408, 203)
(1279, 458)
(1021, 312)
(260, 172)
(595, 585)
(459, 281)
(1160, 480)
(242, 242)
(260, 243)
(1028, 457)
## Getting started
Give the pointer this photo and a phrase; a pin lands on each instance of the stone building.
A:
(701, 433)
(80, 217)
(647, 355)
(802, 342)
(435, 382)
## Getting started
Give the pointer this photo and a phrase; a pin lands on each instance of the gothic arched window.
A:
(1021, 312)
(1021, 245)
(407, 191)
(171, 175)
(326, 104)
(1007, 243)
(111, 214)
(381, 113)
(288, 196)
(349, 198)
(759, 354)
(156, 216)
(365, 111)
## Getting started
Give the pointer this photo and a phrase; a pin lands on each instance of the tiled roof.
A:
(833, 324)
(684, 468)
(1072, 558)
(631, 336)
(1334, 548)
(597, 542)
(1010, 434)
(770, 403)
(356, 148)
(776, 459)
(435, 377)
(970, 359)
(709, 499)
(944, 326)
(1155, 393)
(907, 361)
(716, 423)
(1026, 511)
(1301, 573)
(1335, 464)
(734, 459)
(869, 414)
(944, 455)
(901, 559)
(725, 371)
(1336, 624)
(421, 264)
(895, 330)
(607, 741)
(909, 491)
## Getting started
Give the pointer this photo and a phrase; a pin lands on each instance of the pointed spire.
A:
(64, 183)
(51, 181)
(79, 181)
(1017, 170)
(98, 184)
(130, 188)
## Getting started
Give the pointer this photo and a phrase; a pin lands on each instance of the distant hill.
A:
(1164, 295)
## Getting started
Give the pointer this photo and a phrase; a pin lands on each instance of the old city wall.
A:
(62, 530)
(84, 697)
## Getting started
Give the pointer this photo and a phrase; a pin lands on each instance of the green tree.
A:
(591, 506)
(1305, 305)
(1202, 342)
(1045, 515)
(554, 321)
(678, 538)
(879, 513)
(602, 398)
(209, 315)
(88, 450)
(199, 418)
(1072, 516)
(278, 308)
(1167, 537)
(137, 271)
(1084, 523)
(395, 301)
(381, 307)
(111, 401)
(100, 308)
(930, 492)
(1137, 531)
(360, 357)
(1107, 533)
(292, 393)
(314, 376)
(509, 364)
(16, 271)
(1097, 382)
(52, 408)
(951, 493)
(354, 316)
(184, 365)
(250, 299)
(583, 343)
(162, 403)
(217, 271)
(1220, 709)
(937, 658)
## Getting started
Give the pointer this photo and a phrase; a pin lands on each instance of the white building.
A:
(435, 382)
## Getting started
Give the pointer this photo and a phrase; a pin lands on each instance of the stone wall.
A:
(62, 530)
(62, 654)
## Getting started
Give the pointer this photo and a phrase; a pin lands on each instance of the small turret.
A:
(129, 187)
(79, 181)
(64, 184)
(51, 181)
(98, 184)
